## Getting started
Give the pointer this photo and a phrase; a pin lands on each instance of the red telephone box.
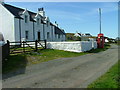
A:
(100, 40)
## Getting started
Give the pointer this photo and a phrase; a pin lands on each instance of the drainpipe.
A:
(33, 31)
(43, 31)
(20, 29)
(52, 32)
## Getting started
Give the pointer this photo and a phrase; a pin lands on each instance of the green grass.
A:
(15, 62)
(22, 60)
(50, 54)
(111, 79)
(107, 46)
(118, 42)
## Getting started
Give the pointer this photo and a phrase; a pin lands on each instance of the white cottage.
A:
(17, 24)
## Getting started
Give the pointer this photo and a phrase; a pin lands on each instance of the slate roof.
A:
(58, 31)
(51, 24)
(79, 34)
(18, 11)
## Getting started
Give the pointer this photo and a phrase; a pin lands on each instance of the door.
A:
(38, 35)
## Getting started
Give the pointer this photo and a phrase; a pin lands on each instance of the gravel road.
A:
(75, 72)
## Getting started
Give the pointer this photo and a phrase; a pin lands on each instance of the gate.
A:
(26, 46)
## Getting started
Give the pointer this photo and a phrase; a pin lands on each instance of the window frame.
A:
(58, 36)
(26, 35)
(38, 21)
(47, 23)
(48, 35)
(26, 18)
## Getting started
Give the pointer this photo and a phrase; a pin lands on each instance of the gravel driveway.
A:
(75, 72)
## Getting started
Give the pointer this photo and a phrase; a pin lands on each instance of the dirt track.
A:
(75, 72)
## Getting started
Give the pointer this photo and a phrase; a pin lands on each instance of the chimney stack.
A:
(41, 11)
(56, 24)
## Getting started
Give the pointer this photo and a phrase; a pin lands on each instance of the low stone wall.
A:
(78, 46)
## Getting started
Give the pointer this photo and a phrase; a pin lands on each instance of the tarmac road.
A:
(75, 72)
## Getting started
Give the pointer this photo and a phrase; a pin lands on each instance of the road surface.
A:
(75, 72)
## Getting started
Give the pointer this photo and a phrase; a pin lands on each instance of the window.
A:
(26, 34)
(59, 36)
(55, 36)
(26, 18)
(38, 35)
(47, 35)
(38, 21)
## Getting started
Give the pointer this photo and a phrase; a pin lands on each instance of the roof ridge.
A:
(20, 8)
(14, 6)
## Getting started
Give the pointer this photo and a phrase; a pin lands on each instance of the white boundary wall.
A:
(78, 46)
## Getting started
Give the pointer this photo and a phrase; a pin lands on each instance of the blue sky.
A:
(79, 16)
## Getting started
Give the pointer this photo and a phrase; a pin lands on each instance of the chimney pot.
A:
(40, 9)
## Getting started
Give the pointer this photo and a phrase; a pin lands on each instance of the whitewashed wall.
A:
(16, 31)
(27, 26)
(6, 24)
(86, 46)
(94, 44)
(9, 27)
(38, 28)
(78, 46)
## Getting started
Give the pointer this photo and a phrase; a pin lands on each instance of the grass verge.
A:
(15, 62)
(111, 79)
(107, 46)
(22, 60)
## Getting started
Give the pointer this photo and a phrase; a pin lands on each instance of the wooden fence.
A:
(21, 47)
(26, 46)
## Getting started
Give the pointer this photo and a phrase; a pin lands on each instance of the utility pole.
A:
(100, 18)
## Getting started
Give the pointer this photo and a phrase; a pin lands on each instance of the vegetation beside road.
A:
(111, 79)
(118, 42)
(22, 60)
(107, 46)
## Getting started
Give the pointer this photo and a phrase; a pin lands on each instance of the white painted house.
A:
(17, 24)
(77, 34)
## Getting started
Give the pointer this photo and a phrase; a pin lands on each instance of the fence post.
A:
(36, 47)
(20, 43)
(8, 46)
(23, 46)
(45, 44)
